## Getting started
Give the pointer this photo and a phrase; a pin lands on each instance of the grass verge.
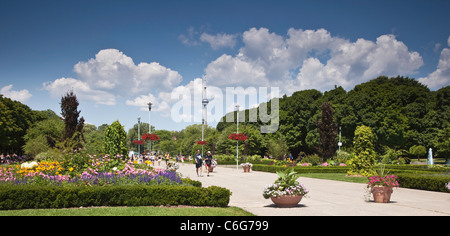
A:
(336, 176)
(131, 211)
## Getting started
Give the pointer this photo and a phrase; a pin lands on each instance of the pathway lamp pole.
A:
(149, 126)
(237, 132)
(139, 135)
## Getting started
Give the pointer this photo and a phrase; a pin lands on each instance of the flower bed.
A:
(85, 180)
(52, 173)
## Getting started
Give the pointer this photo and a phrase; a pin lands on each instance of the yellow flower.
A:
(70, 169)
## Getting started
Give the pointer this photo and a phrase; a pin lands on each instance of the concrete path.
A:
(325, 198)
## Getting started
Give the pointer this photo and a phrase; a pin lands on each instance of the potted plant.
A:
(286, 191)
(382, 185)
(247, 166)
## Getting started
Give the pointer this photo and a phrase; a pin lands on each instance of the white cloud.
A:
(18, 95)
(235, 71)
(219, 41)
(83, 91)
(113, 70)
(159, 104)
(441, 76)
(311, 59)
(112, 74)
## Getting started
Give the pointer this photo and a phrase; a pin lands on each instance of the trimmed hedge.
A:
(424, 181)
(34, 197)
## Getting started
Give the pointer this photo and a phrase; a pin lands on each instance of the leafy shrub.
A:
(364, 154)
(342, 156)
(312, 159)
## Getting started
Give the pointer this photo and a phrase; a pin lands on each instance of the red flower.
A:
(139, 142)
(150, 137)
(238, 137)
(201, 142)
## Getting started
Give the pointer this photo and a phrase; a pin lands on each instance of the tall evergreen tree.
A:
(327, 128)
(73, 130)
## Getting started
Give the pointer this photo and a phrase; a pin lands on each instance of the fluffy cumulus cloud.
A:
(18, 95)
(82, 89)
(112, 74)
(306, 59)
(441, 76)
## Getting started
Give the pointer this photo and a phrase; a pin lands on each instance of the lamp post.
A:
(237, 132)
(149, 126)
(205, 102)
(139, 135)
(339, 143)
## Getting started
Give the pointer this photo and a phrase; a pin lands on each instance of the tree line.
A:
(402, 114)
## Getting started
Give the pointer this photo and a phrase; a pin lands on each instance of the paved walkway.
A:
(326, 197)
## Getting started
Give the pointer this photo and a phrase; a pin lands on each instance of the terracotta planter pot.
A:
(287, 200)
(382, 194)
(246, 169)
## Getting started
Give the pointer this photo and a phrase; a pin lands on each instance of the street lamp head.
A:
(149, 106)
(139, 119)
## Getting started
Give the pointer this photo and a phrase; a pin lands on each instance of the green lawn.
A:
(336, 176)
(131, 211)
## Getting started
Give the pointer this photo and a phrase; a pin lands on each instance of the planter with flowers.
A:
(286, 191)
(247, 167)
(382, 185)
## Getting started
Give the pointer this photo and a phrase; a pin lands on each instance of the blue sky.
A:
(116, 55)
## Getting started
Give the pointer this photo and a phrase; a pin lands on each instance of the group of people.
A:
(208, 161)
(155, 158)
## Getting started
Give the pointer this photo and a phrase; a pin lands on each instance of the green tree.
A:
(95, 137)
(418, 150)
(364, 152)
(15, 119)
(43, 136)
(327, 128)
(442, 143)
(277, 147)
(73, 130)
(115, 140)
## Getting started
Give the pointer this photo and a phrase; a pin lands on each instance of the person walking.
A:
(208, 162)
(159, 159)
(198, 162)
(152, 158)
(167, 158)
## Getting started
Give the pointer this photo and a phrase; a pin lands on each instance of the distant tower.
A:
(205, 101)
